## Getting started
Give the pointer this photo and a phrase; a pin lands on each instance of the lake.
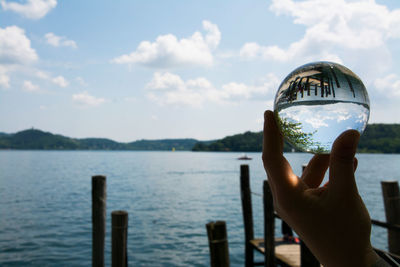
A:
(45, 203)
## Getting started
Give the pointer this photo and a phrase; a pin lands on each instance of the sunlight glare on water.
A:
(318, 101)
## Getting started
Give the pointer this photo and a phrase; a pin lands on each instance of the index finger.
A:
(277, 167)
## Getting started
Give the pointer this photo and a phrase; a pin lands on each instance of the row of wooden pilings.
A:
(218, 239)
(119, 227)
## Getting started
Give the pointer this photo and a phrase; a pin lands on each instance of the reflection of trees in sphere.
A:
(318, 101)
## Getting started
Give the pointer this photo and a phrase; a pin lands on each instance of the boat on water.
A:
(244, 157)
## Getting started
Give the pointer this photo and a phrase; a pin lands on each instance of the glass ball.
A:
(318, 101)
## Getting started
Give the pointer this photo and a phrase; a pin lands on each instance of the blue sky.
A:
(129, 70)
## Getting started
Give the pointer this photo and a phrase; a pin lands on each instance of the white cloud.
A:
(81, 81)
(168, 88)
(15, 47)
(316, 117)
(60, 81)
(4, 81)
(331, 28)
(389, 85)
(30, 87)
(57, 41)
(85, 99)
(42, 75)
(169, 51)
(32, 9)
(166, 80)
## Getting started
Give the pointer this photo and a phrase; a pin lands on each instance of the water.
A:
(45, 203)
(318, 101)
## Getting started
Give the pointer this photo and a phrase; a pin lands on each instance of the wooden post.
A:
(269, 227)
(245, 194)
(218, 243)
(98, 219)
(119, 236)
(306, 256)
(391, 200)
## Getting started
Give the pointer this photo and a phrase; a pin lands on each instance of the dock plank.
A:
(288, 253)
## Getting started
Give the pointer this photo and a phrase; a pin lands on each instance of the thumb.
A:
(341, 162)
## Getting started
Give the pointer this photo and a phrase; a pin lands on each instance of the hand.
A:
(332, 220)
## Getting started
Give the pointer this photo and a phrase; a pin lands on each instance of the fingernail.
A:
(350, 140)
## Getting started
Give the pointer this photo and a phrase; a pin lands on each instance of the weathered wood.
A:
(119, 236)
(245, 194)
(98, 219)
(218, 243)
(285, 253)
(269, 226)
(391, 200)
(306, 256)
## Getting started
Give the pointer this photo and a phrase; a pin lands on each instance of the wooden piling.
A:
(391, 200)
(245, 194)
(269, 226)
(218, 243)
(119, 237)
(98, 219)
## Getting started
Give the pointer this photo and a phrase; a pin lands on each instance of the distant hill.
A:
(37, 139)
(246, 142)
(163, 144)
(380, 138)
(377, 138)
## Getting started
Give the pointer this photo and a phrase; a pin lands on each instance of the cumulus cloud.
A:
(30, 87)
(31, 9)
(331, 27)
(86, 100)
(60, 81)
(169, 51)
(4, 81)
(389, 85)
(168, 88)
(42, 75)
(57, 80)
(57, 41)
(15, 47)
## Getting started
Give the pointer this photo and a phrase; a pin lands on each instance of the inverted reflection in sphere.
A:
(318, 101)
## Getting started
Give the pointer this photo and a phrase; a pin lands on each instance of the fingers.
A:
(278, 169)
(273, 140)
(315, 171)
(342, 163)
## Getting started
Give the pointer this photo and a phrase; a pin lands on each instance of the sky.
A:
(129, 70)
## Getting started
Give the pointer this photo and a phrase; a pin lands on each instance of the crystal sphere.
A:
(318, 101)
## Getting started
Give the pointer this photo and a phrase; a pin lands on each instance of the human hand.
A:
(332, 220)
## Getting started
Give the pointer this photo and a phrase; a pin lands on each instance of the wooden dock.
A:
(284, 251)
(277, 251)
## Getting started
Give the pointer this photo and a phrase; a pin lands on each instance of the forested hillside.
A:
(377, 138)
